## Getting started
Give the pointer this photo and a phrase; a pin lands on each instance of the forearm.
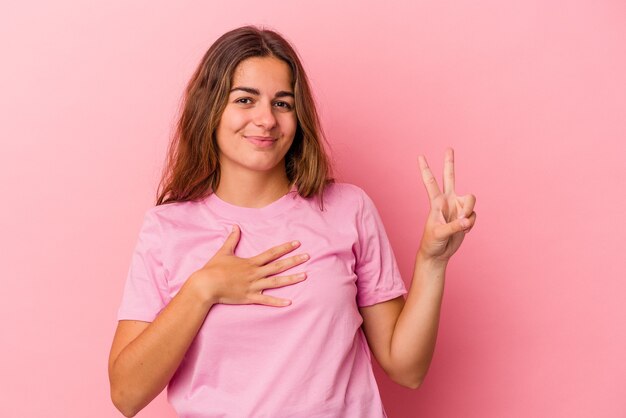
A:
(415, 333)
(145, 366)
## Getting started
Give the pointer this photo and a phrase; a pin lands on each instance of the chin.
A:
(265, 166)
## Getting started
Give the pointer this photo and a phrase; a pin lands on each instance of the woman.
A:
(300, 283)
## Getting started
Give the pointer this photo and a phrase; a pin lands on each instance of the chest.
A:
(331, 279)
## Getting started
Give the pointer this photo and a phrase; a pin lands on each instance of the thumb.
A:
(445, 231)
(231, 241)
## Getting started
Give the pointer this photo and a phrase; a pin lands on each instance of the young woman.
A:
(259, 287)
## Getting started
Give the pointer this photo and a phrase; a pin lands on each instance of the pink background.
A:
(531, 94)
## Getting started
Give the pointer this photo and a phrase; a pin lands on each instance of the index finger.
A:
(432, 188)
(274, 253)
(448, 172)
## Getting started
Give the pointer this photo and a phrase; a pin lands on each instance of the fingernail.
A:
(285, 302)
(301, 276)
(295, 243)
(465, 223)
(304, 257)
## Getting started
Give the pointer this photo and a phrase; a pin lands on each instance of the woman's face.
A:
(259, 122)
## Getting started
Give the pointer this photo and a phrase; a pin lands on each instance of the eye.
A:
(244, 100)
(283, 105)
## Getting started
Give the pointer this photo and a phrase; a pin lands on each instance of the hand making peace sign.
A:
(451, 216)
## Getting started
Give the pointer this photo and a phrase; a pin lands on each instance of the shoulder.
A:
(347, 195)
(345, 192)
(173, 213)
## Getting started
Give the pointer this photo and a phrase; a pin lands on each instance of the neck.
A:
(252, 189)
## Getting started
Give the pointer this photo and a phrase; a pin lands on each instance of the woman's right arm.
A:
(145, 355)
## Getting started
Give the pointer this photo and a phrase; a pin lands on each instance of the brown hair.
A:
(192, 169)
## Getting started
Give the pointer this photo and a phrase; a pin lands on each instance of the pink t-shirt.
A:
(308, 360)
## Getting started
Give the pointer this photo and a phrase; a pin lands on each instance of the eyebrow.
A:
(256, 92)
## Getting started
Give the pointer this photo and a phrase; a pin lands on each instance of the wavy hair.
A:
(192, 169)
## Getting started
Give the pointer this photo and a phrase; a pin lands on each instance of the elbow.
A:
(409, 383)
(408, 380)
(126, 397)
(412, 384)
(126, 409)
(124, 403)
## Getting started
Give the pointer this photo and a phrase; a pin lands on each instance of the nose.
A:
(264, 116)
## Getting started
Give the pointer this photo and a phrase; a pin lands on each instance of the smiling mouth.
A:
(261, 141)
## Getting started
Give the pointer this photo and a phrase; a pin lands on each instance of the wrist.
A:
(429, 261)
(196, 288)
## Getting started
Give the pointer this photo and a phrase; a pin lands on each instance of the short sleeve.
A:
(146, 291)
(378, 277)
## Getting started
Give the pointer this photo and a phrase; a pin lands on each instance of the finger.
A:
(445, 231)
(279, 266)
(448, 171)
(432, 188)
(262, 299)
(231, 241)
(280, 281)
(274, 253)
(472, 219)
(465, 205)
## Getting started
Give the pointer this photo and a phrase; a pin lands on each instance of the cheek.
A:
(289, 125)
(232, 121)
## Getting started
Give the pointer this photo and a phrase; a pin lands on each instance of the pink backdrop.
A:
(531, 94)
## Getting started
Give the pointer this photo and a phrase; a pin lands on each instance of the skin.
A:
(402, 334)
(144, 356)
(260, 105)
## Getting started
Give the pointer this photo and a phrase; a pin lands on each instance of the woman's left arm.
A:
(402, 334)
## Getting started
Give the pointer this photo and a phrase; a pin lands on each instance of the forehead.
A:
(263, 73)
